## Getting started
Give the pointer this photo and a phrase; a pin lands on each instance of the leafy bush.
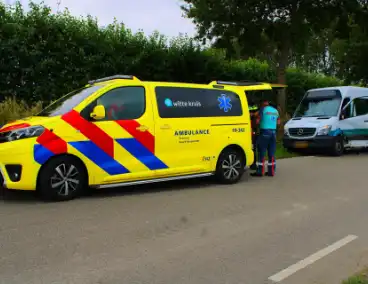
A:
(12, 109)
(45, 55)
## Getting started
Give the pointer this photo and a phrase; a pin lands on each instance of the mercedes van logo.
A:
(300, 131)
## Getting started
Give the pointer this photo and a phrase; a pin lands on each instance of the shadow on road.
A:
(350, 153)
(324, 154)
(189, 184)
(9, 196)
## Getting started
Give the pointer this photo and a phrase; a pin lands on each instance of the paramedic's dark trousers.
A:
(266, 142)
(255, 148)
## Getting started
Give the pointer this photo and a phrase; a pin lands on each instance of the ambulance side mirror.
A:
(98, 112)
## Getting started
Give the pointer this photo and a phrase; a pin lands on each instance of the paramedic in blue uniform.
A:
(268, 120)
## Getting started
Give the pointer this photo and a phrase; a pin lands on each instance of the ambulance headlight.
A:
(324, 130)
(23, 133)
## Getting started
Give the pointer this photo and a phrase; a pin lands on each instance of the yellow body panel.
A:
(19, 152)
(179, 146)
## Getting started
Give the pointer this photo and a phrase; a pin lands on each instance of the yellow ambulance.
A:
(120, 131)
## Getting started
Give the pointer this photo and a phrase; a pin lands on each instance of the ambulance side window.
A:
(180, 102)
(124, 103)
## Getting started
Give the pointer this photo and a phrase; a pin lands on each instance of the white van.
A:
(330, 119)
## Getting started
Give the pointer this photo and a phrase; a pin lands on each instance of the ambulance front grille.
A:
(302, 132)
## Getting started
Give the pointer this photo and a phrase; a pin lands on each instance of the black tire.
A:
(62, 178)
(227, 174)
(338, 147)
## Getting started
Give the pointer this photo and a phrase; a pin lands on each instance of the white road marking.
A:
(287, 213)
(278, 277)
(341, 198)
(296, 207)
(299, 206)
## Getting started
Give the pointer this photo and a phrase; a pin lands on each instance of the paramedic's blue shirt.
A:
(269, 116)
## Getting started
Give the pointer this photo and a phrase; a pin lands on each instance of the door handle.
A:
(165, 126)
(366, 121)
(142, 128)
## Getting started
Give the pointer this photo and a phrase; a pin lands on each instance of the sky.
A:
(147, 15)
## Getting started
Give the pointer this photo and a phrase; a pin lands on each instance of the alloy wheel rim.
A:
(231, 167)
(65, 179)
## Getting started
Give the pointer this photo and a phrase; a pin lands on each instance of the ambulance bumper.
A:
(17, 169)
(316, 143)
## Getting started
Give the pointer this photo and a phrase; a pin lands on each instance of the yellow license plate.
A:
(301, 145)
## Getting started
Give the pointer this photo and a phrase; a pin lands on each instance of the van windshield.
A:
(319, 103)
(69, 101)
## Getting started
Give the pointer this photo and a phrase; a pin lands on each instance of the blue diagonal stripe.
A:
(141, 153)
(99, 157)
(41, 154)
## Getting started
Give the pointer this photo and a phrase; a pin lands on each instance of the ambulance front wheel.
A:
(62, 178)
(230, 166)
(338, 147)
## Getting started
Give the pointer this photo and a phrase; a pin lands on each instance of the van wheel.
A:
(338, 147)
(230, 166)
(61, 179)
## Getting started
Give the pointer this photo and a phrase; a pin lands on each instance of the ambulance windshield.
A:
(69, 101)
(319, 103)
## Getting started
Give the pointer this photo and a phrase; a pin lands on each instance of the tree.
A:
(278, 25)
(350, 51)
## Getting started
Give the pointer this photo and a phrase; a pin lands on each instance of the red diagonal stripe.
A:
(14, 127)
(52, 142)
(91, 131)
(145, 137)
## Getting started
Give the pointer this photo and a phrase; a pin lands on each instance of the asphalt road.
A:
(311, 218)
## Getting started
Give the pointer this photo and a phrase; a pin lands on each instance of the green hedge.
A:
(43, 56)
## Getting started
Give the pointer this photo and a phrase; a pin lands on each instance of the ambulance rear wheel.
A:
(230, 166)
(62, 178)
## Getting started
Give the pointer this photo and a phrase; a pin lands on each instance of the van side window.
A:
(361, 106)
(178, 102)
(122, 103)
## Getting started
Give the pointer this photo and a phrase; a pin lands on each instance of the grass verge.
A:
(281, 152)
(360, 278)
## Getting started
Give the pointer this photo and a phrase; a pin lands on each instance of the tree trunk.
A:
(281, 76)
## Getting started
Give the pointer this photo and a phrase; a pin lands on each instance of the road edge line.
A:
(283, 274)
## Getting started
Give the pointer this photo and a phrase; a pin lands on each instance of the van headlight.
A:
(286, 130)
(22, 133)
(324, 130)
